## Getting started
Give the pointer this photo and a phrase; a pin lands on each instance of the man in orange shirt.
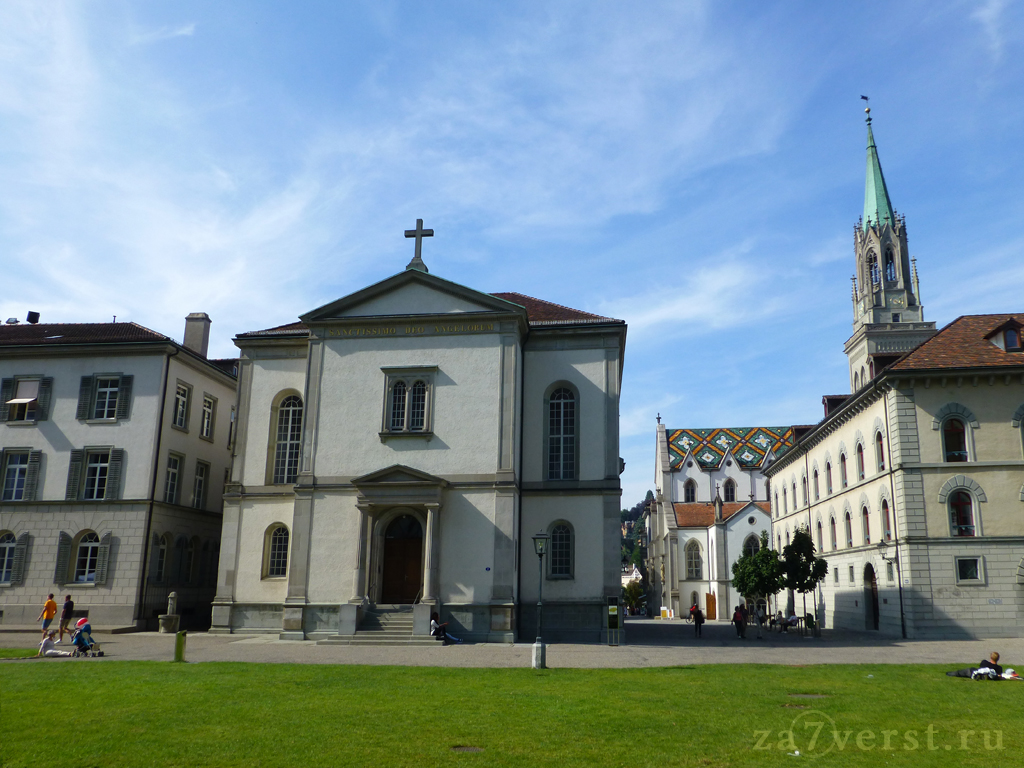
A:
(48, 612)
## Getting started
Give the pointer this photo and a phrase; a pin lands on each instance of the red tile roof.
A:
(76, 333)
(702, 514)
(540, 312)
(289, 329)
(962, 344)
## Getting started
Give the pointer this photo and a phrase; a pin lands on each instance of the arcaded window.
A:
(817, 494)
(828, 479)
(860, 462)
(954, 440)
(277, 552)
(849, 530)
(690, 492)
(694, 562)
(832, 533)
(866, 518)
(879, 452)
(803, 490)
(890, 266)
(289, 440)
(821, 546)
(842, 471)
(961, 512)
(562, 435)
(730, 490)
(873, 272)
(886, 522)
(561, 551)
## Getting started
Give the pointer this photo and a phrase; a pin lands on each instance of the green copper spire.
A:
(877, 208)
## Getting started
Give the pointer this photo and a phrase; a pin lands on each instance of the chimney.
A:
(197, 332)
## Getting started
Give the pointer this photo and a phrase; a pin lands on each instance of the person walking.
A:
(737, 619)
(698, 621)
(65, 616)
(746, 618)
(48, 612)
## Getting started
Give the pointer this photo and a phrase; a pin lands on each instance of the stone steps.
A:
(383, 625)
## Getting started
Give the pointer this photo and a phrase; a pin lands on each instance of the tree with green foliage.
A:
(803, 571)
(633, 595)
(759, 574)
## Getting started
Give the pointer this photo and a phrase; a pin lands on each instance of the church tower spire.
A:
(888, 318)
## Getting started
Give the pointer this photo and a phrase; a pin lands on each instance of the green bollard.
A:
(179, 646)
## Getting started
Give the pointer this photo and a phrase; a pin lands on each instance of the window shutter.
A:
(114, 474)
(6, 393)
(102, 559)
(60, 573)
(43, 398)
(124, 397)
(32, 475)
(85, 398)
(20, 557)
(74, 475)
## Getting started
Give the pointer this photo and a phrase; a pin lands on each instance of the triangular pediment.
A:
(398, 475)
(412, 292)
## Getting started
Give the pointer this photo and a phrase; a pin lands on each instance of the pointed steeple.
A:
(877, 207)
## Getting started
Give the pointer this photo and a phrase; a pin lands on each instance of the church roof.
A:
(289, 329)
(701, 514)
(877, 206)
(963, 343)
(747, 445)
(540, 312)
(53, 334)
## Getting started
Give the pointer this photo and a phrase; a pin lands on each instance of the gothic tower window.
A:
(690, 492)
(890, 266)
(730, 490)
(873, 272)
(694, 563)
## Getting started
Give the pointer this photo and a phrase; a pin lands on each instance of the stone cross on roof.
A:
(419, 233)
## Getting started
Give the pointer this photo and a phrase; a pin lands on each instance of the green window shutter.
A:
(6, 393)
(124, 397)
(20, 558)
(74, 475)
(32, 475)
(114, 474)
(43, 399)
(85, 390)
(60, 573)
(103, 558)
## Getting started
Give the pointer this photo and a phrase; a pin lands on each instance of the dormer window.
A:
(1011, 338)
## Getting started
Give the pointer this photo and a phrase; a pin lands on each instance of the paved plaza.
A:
(652, 643)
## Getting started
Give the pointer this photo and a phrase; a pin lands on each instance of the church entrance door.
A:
(712, 612)
(870, 597)
(403, 560)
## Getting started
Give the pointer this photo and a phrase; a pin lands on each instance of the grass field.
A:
(17, 653)
(161, 714)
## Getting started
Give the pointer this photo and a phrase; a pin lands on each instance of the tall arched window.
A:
(866, 519)
(828, 479)
(832, 533)
(730, 490)
(785, 505)
(7, 545)
(418, 407)
(879, 452)
(794, 495)
(561, 551)
(817, 495)
(803, 490)
(849, 530)
(856, 381)
(961, 511)
(694, 562)
(289, 440)
(751, 546)
(873, 272)
(886, 522)
(954, 440)
(398, 395)
(821, 546)
(188, 565)
(890, 266)
(562, 435)
(160, 548)
(842, 470)
(860, 461)
(690, 492)
(276, 552)
(87, 558)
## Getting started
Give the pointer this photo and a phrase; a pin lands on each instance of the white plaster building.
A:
(400, 446)
(113, 456)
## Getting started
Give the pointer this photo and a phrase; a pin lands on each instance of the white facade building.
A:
(397, 450)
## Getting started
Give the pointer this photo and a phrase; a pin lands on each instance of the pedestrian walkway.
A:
(652, 643)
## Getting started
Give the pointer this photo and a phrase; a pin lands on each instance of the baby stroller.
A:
(81, 638)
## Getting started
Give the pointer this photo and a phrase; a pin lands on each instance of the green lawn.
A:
(17, 653)
(161, 714)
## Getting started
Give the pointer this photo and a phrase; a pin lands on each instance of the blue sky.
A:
(693, 168)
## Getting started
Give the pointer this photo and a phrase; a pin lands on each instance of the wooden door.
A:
(403, 560)
(712, 612)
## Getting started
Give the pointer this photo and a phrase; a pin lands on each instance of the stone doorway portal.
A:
(403, 561)
(870, 598)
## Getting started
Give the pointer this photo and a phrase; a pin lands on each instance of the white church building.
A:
(398, 449)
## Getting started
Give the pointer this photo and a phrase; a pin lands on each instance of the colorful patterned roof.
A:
(748, 445)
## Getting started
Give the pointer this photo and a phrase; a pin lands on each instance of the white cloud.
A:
(163, 33)
(990, 16)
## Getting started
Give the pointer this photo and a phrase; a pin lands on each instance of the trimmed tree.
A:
(758, 575)
(803, 571)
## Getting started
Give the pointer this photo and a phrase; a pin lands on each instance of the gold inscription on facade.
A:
(409, 330)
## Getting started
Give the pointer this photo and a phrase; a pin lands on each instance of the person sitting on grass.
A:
(441, 630)
(48, 648)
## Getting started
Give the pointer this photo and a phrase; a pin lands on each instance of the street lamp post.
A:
(883, 547)
(540, 546)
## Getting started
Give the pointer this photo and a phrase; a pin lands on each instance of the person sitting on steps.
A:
(441, 630)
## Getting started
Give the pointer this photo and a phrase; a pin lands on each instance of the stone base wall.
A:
(565, 623)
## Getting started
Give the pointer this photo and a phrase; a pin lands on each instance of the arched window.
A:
(787, 538)
(849, 530)
(828, 479)
(561, 551)
(842, 470)
(690, 492)
(780, 542)
(785, 505)
(832, 533)
(817, 495)
(751, 546)
(7, 545)
(562, 435)
(188, 563)
(418, 407)
(775, 509)
(1011, 339)
(730, 490)
(890, 266)
(873, 272)
(160, 547)
(694, 563)
(856, 381)
(794, 495)
(886, 522)
(961, 511)
(87, 558)
(398, 394)
(289, 441)
(866, 518)
(821, 546)
(879, 452)
(863, 377)
(954, 440)
(276, 548)
(860, 461)
(803, 490)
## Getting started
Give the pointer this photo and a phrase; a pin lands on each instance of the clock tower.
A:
(888, 318)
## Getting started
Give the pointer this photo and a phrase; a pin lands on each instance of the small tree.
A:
(803, 571)
(759, 574)
(633, 595)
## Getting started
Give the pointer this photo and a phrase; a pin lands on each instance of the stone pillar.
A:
(359, 584)
(298, 568)
(430, 585)
(228, 565)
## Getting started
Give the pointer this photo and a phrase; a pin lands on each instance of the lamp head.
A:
(540, 543)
